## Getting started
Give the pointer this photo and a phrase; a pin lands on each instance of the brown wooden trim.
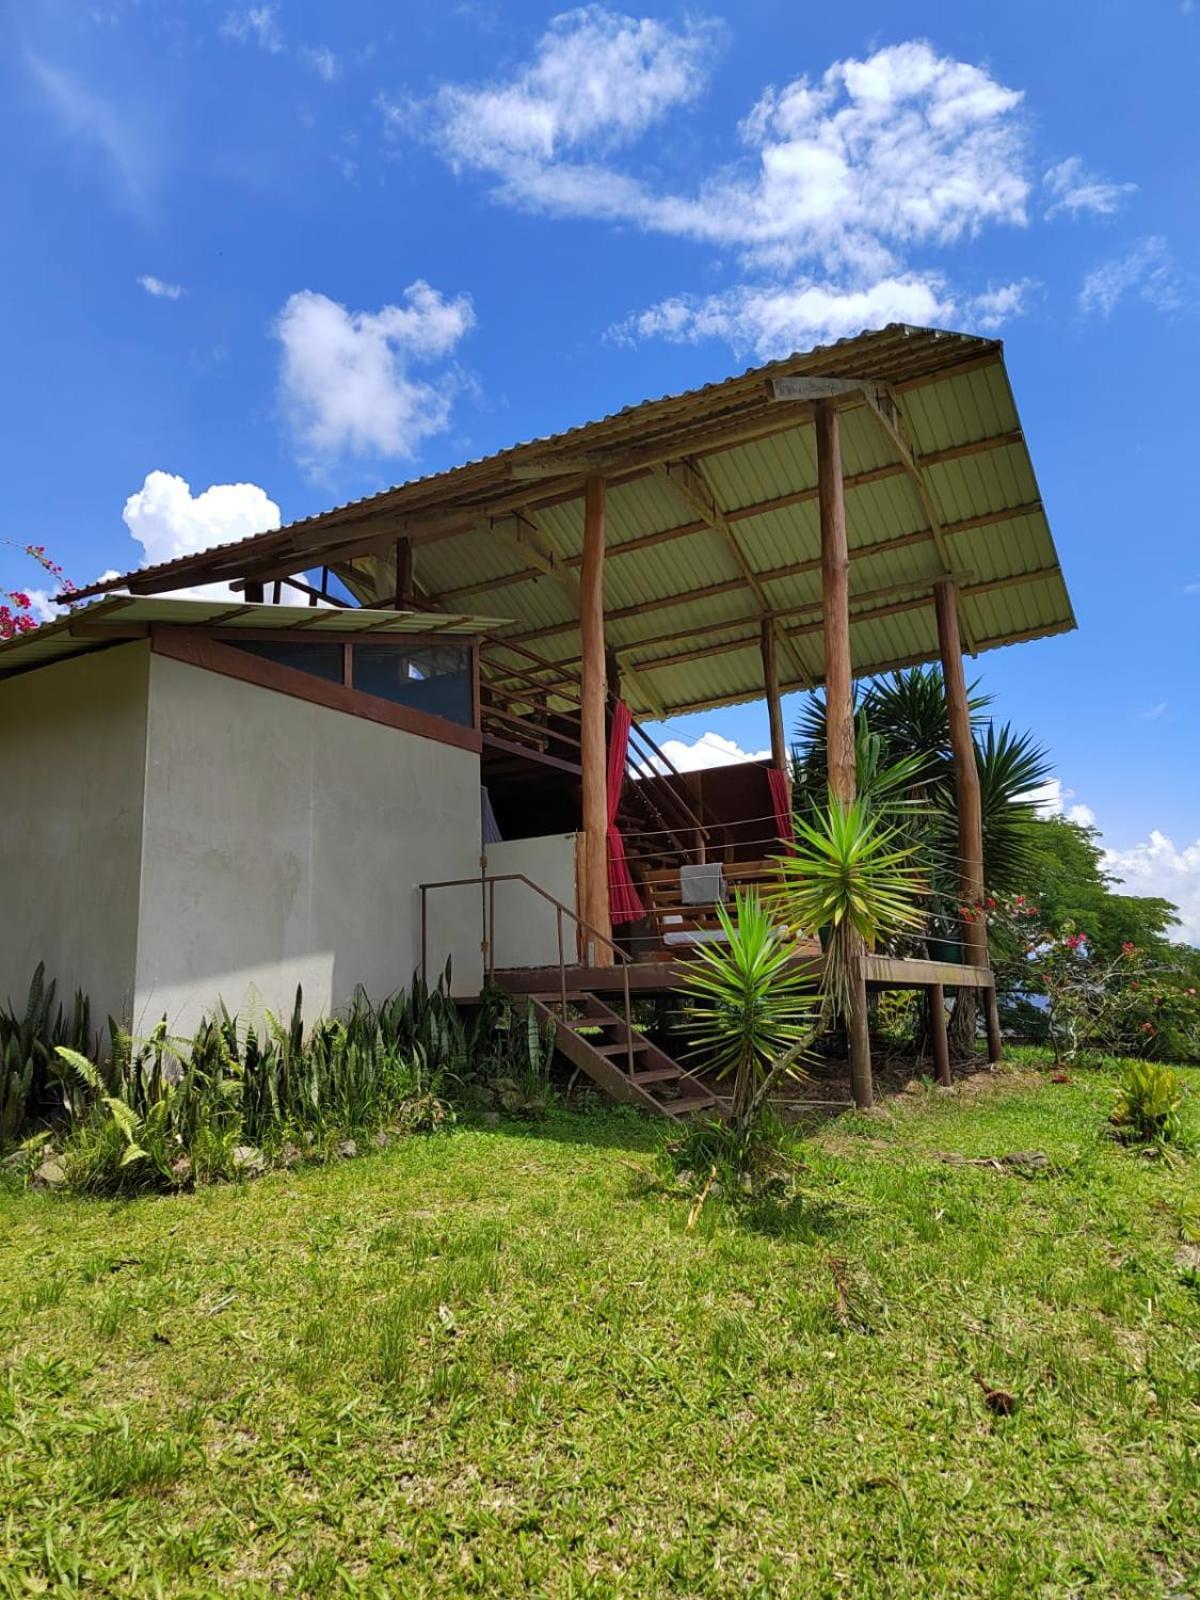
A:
(307, 634)
(197, 649)
(508, 747)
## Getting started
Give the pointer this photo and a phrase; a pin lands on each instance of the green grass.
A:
(494, 1363)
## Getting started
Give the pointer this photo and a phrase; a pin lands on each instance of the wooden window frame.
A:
(216, 651)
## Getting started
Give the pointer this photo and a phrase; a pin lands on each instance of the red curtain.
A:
(624, 904)
(781, 800)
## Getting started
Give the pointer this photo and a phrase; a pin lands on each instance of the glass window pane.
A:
(319, 660)
(435, 679)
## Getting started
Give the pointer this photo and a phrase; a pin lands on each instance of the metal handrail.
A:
(487, 885)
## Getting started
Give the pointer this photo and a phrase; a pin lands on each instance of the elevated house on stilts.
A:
(419, 731)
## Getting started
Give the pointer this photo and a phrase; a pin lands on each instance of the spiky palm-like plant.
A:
(852, 873)
(751, 1015)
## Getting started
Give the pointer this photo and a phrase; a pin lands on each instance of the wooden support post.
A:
(839, 702)
(404, 575)
(612, 670)
(939, 1036)
(254, 593)
(991, 1012)
(968, 801)
(770, 658)
(594, 691)
(835, 604)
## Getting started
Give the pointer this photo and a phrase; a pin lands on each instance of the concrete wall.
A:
(526, 930)
(74, 742)
(284, 843)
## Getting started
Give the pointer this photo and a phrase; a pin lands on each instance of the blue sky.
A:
(299, 252)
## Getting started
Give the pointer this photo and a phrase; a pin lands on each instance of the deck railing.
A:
(487, 887)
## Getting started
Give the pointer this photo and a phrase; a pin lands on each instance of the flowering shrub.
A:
(16, 605)
(1135, 1003)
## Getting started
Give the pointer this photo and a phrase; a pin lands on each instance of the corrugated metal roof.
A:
(55, 641)
(506, 532)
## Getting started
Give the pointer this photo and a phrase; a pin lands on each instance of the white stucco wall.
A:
(526, 931)
(73, 737)
(284, 842)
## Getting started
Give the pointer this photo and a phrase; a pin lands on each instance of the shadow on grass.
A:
(598, 1127)
(797, 1218)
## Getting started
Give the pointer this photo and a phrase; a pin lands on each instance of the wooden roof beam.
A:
(693, 488)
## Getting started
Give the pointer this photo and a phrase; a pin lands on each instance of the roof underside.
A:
(712, 525)
(103, 623)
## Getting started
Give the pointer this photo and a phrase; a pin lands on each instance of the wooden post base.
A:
(862, 1082)
(938, 1034)
(991, 1012)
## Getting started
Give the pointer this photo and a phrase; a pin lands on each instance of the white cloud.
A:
(1000, 303)
(903, 146)
(709, 750)
(42, 605)
(1152, 713)
(1148, 271)
(841, 176)
(91, 118)
(1050, 799)
(167, 520)
(1076, 190)
(323, 62)
(345, 375)
(258, 25)
(773, 321)
(597, 80)
(1155, 866)
(160, 289)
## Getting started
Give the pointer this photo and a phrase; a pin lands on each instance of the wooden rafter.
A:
(692, 487)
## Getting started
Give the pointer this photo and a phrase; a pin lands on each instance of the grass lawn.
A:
(491, 1363)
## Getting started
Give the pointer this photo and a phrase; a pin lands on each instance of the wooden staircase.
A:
(596, 1039)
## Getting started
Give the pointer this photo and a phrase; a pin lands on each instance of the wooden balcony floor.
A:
(664, 977)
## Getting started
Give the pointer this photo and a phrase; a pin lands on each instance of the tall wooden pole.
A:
(839, 703)
(594, 693)
(771, 684)
(968, 801)
(835, 598)
(966, 775)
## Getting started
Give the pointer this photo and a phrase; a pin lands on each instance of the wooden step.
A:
(608, 1064)
(657, 1075)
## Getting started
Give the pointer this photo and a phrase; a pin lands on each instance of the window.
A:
(436, 679)
(321, 660)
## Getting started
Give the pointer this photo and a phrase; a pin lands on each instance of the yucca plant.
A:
(751, 1016)
(29, 1075)
(1148, 1105)
(852, 877)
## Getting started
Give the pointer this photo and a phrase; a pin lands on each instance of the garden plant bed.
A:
(494, 1361)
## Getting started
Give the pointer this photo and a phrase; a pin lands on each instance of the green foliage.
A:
(1147, 1109)
(740, 1160)
(1010, 765)
(853, 875)
(30, 1082)
(512, 1055)
(749, 1007)
(423, 1374)
(164, 1112)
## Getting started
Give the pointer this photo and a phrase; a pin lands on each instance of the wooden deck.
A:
(665, 977)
